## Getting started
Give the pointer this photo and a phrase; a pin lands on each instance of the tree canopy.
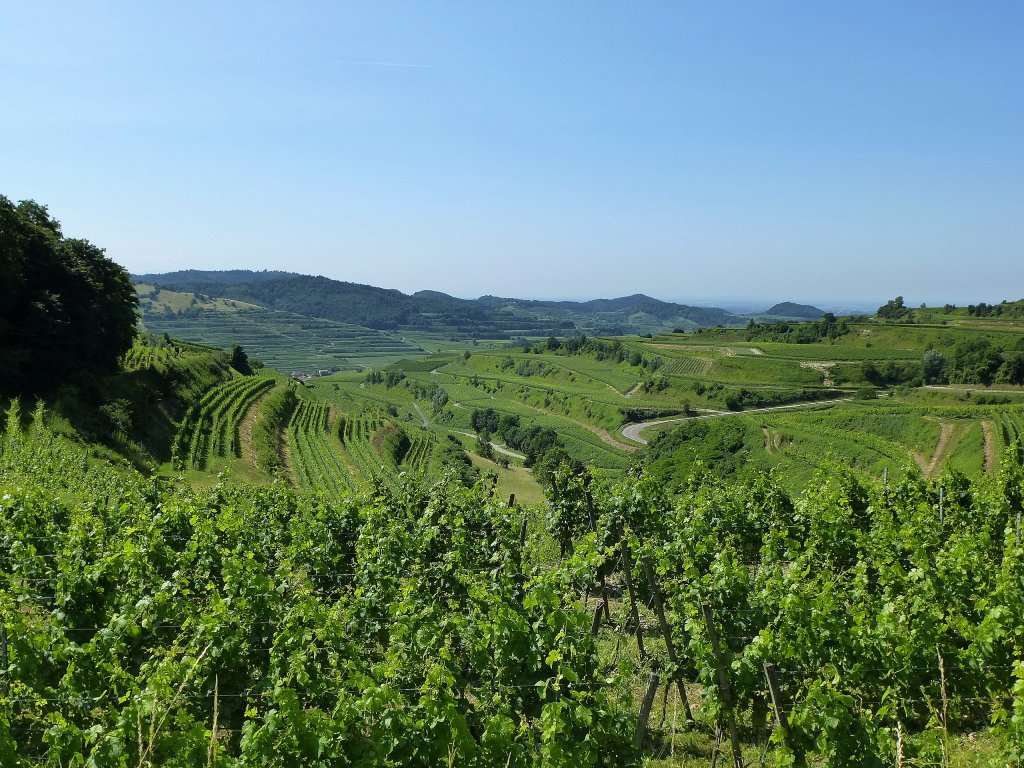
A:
(66, 310)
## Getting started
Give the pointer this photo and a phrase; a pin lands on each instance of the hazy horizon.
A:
(792, 150)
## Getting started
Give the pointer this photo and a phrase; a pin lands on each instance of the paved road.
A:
(632, 431)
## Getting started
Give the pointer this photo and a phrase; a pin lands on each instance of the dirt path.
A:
(499, 448)
(772, 440)
(825, 369)
(991, 459)
(632, 431)
(727, 351)
(245, 429)
(930, 468)
(423, 418)
(634, 388)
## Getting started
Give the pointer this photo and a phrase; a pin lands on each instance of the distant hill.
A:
(789, 309)
(435, 312)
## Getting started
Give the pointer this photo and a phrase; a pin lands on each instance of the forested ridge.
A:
(488, 316)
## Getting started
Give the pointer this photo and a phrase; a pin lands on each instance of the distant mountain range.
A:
(493, 317)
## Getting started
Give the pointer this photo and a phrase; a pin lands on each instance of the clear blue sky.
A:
(816, 151)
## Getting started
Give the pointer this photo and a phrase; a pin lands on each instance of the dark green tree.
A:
(66, 311)
(892, 309)
(240, 360)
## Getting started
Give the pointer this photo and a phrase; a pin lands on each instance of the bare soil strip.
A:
(245, 429)
(825, 369)
(991, 460)
(426, 423)
(930, 468)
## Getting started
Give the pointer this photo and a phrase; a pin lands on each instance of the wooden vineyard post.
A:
(595, 624)
(5, 661)
(627, 566)
(723, 683)
(521, 578)
(779, 705)
(645, 709)
(942, 498)
(945, 705)
(593, 528)
(667, 633)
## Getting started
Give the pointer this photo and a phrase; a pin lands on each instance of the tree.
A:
(933, 367)
(67, 312)
(892, 309)
(240, 360)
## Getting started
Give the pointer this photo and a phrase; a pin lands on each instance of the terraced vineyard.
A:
(1010, 425)
(211, 427)
(357, 437)
(686, 366)
(149, 353)
(285, 341)
(316, 464)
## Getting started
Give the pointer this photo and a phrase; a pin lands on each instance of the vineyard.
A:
(316, 464)
(211, 427)
(146, 352)
(686, 366)
(856, 624)
(153, 626)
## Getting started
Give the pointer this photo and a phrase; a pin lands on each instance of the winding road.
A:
(632, 431)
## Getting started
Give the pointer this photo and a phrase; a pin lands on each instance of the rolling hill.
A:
(488, 317)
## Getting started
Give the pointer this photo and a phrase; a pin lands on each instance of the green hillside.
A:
(489, 317)
(281, 340)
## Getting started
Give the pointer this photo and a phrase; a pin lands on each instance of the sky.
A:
(811, 151)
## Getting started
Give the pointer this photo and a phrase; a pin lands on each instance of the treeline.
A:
(974, 361)
(977, 361)
(67, 312)
(743, 398)
(1005, 309)
(827, 328)
(542, 446)
(599, 349)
